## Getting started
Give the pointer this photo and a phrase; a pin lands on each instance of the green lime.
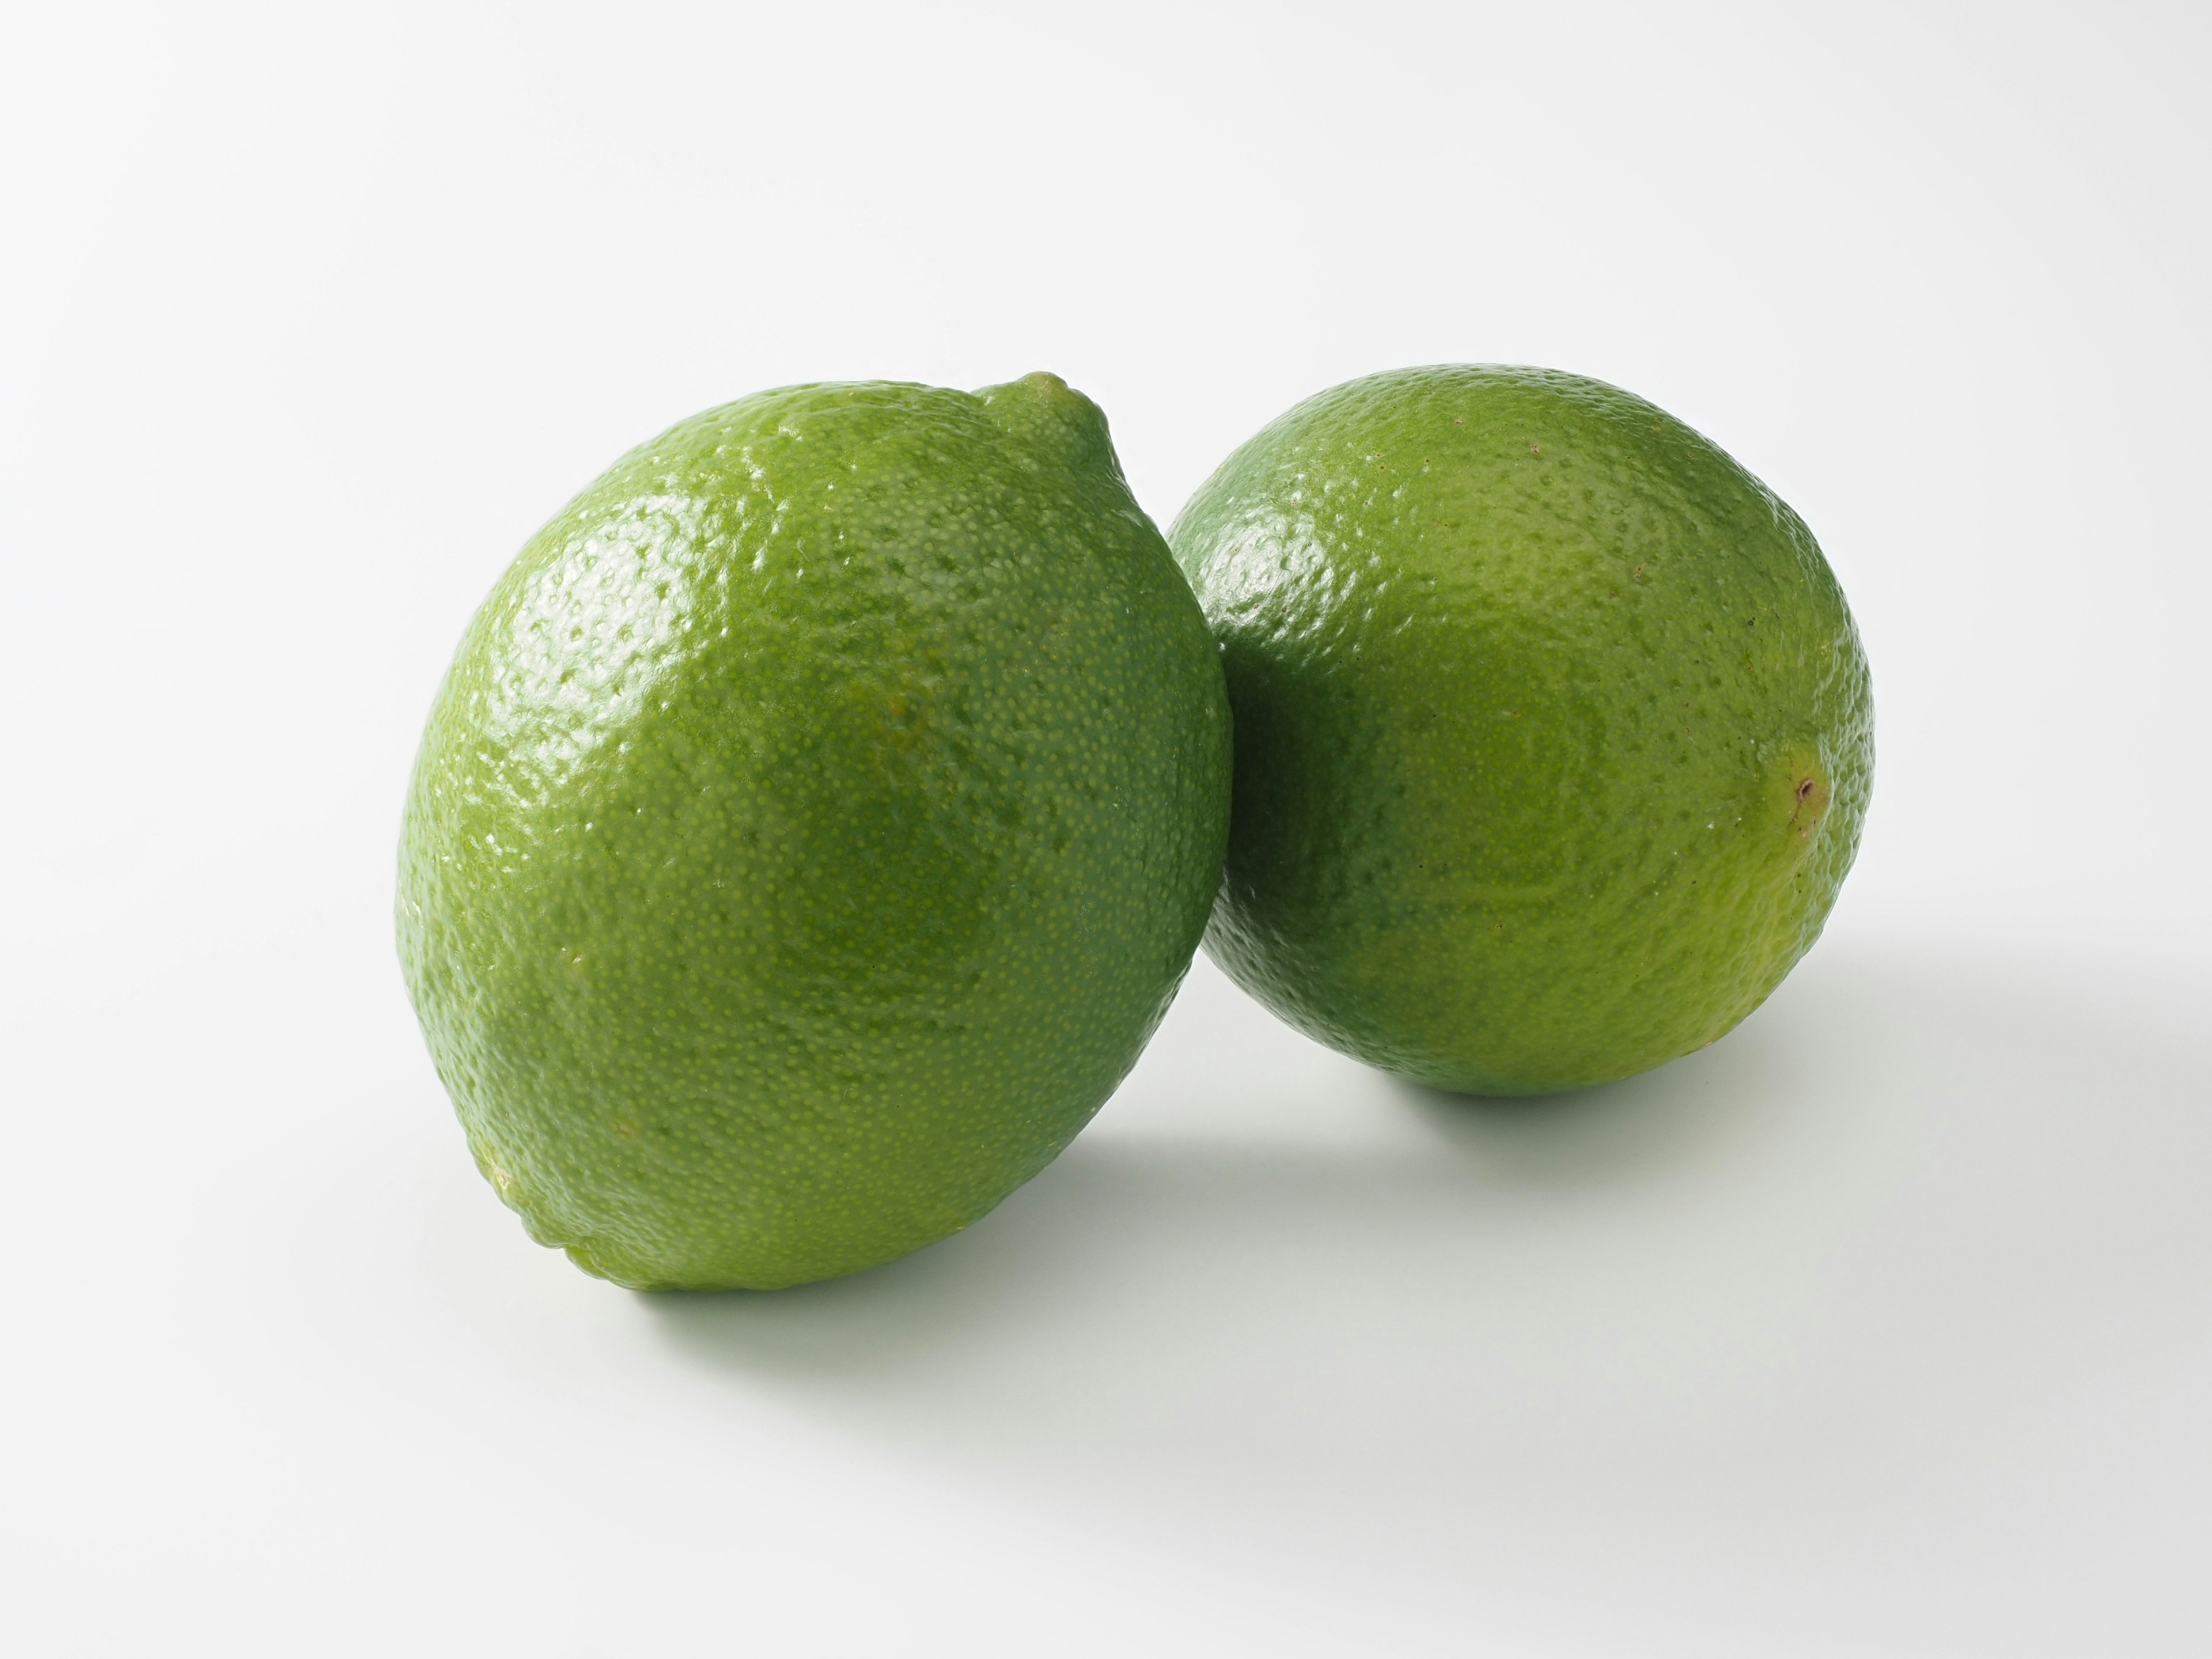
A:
(816, 822)
(1553, 731)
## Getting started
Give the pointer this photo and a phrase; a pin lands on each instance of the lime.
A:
(816, 822)
(1553, 731)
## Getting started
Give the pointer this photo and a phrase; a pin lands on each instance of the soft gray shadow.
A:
(1923, 1226)
(1883, 1131)
(1615, 1131)
(1191, 1204)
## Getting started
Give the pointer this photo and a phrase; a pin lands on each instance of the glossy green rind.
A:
(816, 822)
(1554, 735)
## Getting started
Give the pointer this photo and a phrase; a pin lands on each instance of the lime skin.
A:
(1554, 735)
(813, 826)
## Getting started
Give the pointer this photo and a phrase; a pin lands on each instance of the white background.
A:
(1882, 1327)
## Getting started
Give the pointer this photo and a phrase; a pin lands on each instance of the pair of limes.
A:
(822, 811)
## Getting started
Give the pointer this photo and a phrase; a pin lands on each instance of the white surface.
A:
(1884, 1327)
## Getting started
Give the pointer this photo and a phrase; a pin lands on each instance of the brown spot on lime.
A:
(1535, 449)
(1809, 803)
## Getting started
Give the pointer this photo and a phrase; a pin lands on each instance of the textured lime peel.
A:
(1554, 732)
(817, 820)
